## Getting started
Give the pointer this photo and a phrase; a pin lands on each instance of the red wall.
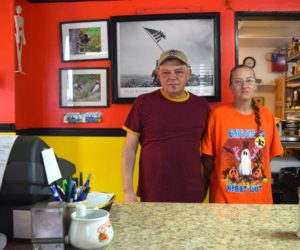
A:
(37, 92)
(7, 77)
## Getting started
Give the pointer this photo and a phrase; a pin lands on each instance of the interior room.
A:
(262, 37)
(70, 74)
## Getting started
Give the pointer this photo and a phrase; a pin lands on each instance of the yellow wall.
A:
(100, 156)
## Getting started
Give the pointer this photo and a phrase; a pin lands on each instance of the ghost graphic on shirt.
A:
(245, 158)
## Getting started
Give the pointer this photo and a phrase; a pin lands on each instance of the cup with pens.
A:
(72, 192)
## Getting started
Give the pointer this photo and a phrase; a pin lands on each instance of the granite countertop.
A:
(202, 226)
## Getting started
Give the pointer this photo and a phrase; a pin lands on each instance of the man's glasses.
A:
(178, 72)
(249, 81)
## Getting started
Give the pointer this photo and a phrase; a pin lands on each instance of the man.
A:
(168, 123)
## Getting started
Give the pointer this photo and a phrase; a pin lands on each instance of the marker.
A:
(64, 185)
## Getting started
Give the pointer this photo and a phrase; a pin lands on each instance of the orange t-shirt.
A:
(242, 172)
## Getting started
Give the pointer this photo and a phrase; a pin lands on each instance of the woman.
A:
(239, 143)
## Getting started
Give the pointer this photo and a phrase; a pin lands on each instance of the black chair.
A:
(289, 180)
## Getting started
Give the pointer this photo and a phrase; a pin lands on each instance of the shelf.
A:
(265, 84)
(292, 82)
(293, 85)
(293, 58)
(293, 78)
(292, 110)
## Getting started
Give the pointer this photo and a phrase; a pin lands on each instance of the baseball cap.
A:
(173, 54)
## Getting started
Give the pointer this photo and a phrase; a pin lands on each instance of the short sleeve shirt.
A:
(242, 172)
(170, 133)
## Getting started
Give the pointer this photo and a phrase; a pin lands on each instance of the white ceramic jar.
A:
(71, 208)
(91, 231)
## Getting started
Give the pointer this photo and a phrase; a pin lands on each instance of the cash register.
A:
(25, 184)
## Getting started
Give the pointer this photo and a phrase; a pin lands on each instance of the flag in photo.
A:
(157, 35)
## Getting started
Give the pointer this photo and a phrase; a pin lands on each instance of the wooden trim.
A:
(72, 132)
(7, 127)
(11, 127)
(60, 1)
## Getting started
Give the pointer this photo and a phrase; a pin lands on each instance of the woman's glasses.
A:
(249, 81)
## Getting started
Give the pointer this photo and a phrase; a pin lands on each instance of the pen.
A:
(55, 193)
(86, 193)
(86, 184)
(83, 194)
(76, 192)
(60, 191)
(80, 179)
(70, 187)
(76, 180)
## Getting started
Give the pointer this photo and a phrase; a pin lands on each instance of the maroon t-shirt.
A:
(170, 135)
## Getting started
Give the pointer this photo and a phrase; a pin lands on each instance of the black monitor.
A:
(24, 181)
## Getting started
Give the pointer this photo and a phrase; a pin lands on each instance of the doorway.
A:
(263, 40)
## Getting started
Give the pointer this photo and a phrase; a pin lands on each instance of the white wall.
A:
(263, 71)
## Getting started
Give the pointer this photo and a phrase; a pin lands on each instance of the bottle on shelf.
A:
(298, 222)
(297, 68)
(292, 46)
(296, 46)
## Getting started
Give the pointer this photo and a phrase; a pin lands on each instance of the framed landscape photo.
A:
(84, 40)
(139, 40)
(83, 87)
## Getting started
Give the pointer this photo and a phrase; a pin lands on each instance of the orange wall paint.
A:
(7, 80)
(39, 106)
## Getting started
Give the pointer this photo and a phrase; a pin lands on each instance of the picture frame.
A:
(84, 40)
(83, 87)
(82, 117)
(260, 100)
(137, 42)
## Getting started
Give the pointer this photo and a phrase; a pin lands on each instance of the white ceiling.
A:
(267, 34)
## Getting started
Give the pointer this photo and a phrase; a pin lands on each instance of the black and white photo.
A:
(139, 40)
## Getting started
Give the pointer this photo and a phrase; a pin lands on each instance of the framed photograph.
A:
(260, 100)
(84, 40)
(138, 42)
(82, 117)
(83, 87)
